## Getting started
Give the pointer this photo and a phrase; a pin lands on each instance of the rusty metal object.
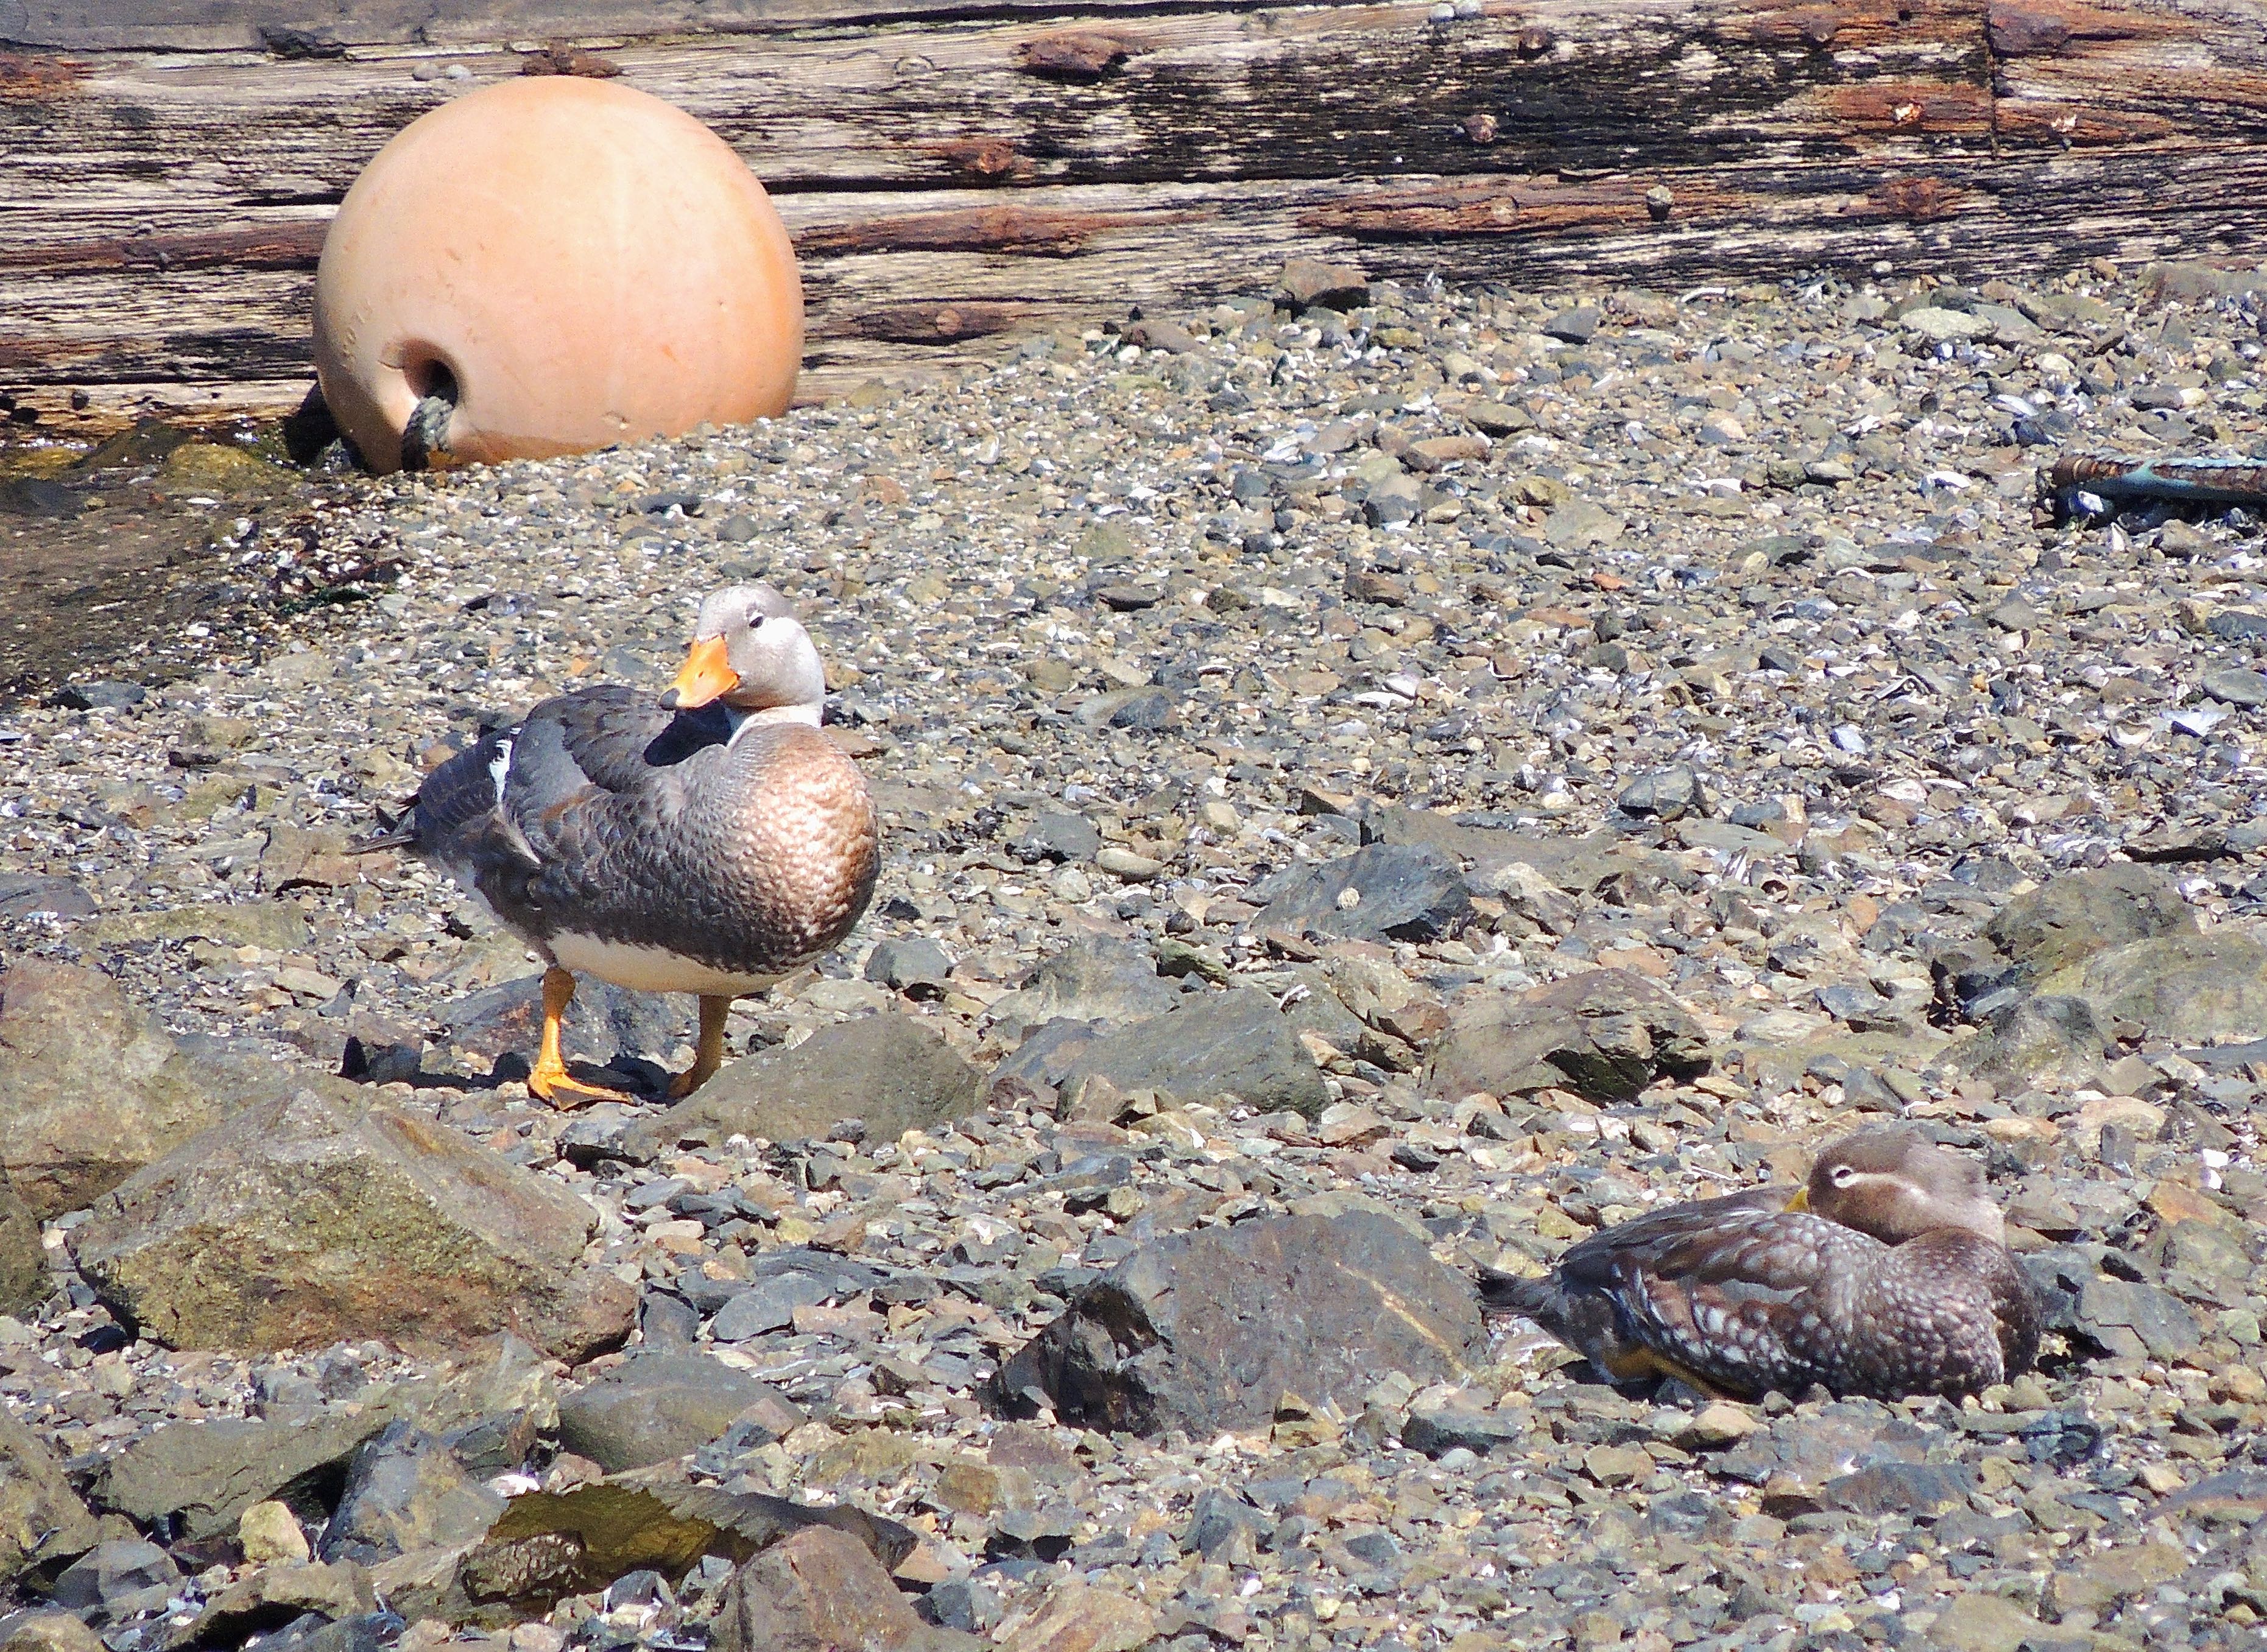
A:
(2175, 481)
(558, 59)
(2047, 28)
(2032, 121)
(1916, 199)
(989, 160)
(1494, 206)
(1940, 108)
(36, 78)
(934, 323)
(1077, 53)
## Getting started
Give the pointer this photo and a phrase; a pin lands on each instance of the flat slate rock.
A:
(1379, 893)
(2069, 918)
(657, 1407)
(1096, 978)
(22, 895)
(93, 1089)
(42, 1521)
(887, 1070)
(1207, 1330)
(1236, 1043)
(1604, 1033)
(603, 1024)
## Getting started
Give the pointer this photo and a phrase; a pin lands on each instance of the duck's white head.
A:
(751, 655)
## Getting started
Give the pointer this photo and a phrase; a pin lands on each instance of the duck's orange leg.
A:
(550, 1080)
(708, 1054)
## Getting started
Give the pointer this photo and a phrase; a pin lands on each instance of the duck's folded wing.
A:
(1597, 1260)
(600, 820)
(618, 738)
(1741, 1302)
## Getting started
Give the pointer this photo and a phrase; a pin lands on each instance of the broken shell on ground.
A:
(567, 264)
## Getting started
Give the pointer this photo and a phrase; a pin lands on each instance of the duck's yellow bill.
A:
(706, 674)
(1801, 1200)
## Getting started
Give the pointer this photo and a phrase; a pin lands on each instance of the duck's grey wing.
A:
(617, 738)
(598, 791)
(1592, 1263)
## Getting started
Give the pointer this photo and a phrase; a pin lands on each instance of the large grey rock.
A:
(1206, 1330)
(91, 1089)
(816, 1590)
(1095, 978)
(911, 964)
(47, 1631)
(1216, 1044)
(202, 1476)
(2069, 918)
(1381, 892)
(1308, 281)
(120, 1576)
(658, 1407)
(889, 1070)
(2043, 1037)
(406, 1491)
(311, 1220)
(23, 894)
(275, 925)
(1573, 864)
(2192, 988)
(1978, 1621)
(1665, 795)
(41, 1519)
(1605, 1033)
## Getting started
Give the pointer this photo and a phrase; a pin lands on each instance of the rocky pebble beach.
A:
(1375, 781)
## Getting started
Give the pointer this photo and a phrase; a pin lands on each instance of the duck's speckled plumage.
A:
(1747, 1295)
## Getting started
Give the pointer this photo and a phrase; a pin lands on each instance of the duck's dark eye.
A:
(1844, 1175)
(755, 621)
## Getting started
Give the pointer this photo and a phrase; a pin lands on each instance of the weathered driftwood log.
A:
(168, 166)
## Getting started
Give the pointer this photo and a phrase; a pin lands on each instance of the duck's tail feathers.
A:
(1515, 1293)
(401, 832)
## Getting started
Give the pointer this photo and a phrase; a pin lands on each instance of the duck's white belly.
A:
(647, 968)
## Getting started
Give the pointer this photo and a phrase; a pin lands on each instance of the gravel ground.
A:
(1731, 628)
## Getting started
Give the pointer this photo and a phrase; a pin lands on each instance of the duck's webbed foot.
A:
(550, 1080)
(556, 1085)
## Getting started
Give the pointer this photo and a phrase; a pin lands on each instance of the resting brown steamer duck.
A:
(708, 839)
(1886, 1275)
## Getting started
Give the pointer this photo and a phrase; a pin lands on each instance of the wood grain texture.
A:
(166, 166)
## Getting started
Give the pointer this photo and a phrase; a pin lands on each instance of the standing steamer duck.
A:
(1885, 1276)
(710, 840)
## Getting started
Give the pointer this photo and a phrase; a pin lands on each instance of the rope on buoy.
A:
(427, 432)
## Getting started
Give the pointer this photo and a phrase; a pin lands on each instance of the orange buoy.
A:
(550, 265)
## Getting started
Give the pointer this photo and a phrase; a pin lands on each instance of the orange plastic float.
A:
(563, 263)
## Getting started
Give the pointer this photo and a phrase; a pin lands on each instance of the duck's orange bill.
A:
(1801, 1200)
(706, 676)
